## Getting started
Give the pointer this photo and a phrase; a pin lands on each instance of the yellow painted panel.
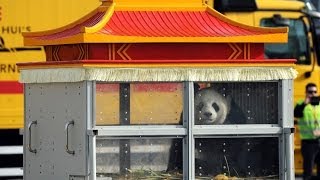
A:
(11, 111)
(279, 5)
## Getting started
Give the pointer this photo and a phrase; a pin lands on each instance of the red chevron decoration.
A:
(155, 51)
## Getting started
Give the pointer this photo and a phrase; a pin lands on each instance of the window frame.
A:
(189, 131)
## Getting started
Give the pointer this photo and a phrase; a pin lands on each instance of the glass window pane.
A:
(236, 103)
(142, 158)
(297, 46)
(237, 157)
(107, 104)
(138, 103)
(156, 103)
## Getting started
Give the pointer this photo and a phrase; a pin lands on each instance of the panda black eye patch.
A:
(215, 107)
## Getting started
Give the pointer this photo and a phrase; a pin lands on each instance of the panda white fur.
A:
(211, 107)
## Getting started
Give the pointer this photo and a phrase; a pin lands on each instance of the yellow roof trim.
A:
(102, 23)
(101, 38)
(264, 38)
(220, 16)
(146, 65)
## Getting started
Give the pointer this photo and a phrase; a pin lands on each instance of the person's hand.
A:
(307, 100)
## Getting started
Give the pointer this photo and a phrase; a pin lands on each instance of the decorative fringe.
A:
(157, 74)
(52, 75)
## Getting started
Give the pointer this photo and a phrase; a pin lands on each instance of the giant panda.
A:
(210, 108)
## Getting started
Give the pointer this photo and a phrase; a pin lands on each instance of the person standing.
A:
(308, 112)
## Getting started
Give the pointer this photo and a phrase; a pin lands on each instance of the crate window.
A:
(236, 103)
(237, 157)
(135, 158)
(138, 103)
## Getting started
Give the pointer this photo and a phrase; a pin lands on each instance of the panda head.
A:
(210, 107)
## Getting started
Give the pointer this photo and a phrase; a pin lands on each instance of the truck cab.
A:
(302, 20)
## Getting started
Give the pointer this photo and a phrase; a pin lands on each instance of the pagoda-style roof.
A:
(119, 21)
(156, 41)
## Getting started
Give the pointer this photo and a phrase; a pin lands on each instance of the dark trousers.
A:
(310, 150)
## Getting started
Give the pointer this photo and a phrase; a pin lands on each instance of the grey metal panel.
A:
(287, 143)
(286, 103)
(53, 105)
(188, 143)
(32, 113)
(281, 138)
(90, 85)
(92, 158)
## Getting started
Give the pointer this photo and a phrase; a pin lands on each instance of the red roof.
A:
(111, 25)
(170, 24)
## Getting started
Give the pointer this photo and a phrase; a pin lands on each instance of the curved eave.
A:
(222, 17)
(99, 38)
(101, 9)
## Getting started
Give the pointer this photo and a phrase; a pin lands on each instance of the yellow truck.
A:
(18, 16)
(303, 40)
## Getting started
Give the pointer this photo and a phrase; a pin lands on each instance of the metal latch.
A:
(289, 130)
(92, 132)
